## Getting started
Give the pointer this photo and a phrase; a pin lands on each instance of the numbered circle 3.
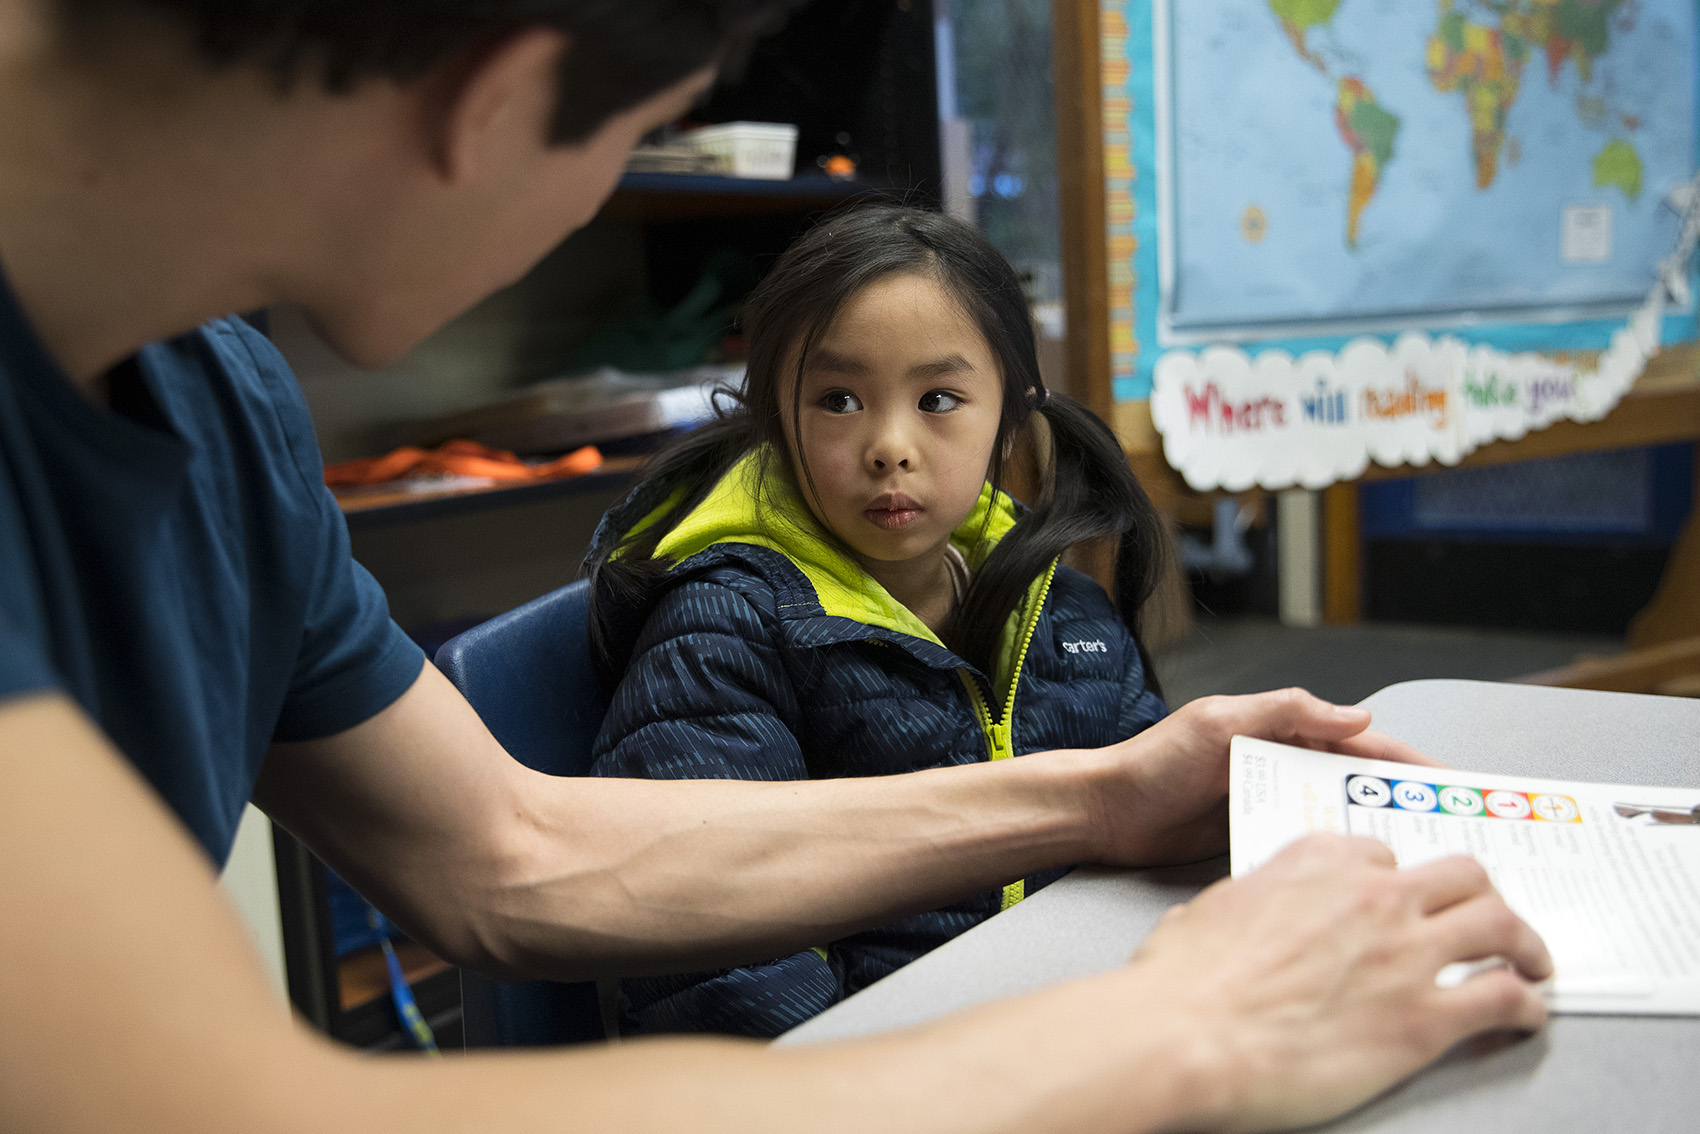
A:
(1369, 791)
(1461, 800)
(1555, 808)
(1410, 795)
(1508, 804)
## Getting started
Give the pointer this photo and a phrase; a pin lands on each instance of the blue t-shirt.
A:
(176, 565)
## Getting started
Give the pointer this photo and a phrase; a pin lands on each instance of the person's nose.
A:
(891, 447)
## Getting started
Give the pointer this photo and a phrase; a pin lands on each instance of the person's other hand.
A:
(1163, 795)
(1313, 979)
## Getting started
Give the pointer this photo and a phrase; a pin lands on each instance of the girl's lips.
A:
(892, 519)
(892, 511)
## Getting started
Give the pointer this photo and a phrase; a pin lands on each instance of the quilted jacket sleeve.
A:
(1140, 706)
(705, 697)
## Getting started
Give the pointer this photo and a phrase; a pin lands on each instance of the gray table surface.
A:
(1584, 1073)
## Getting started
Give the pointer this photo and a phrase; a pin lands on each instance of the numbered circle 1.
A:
(1461, 800)
(1369, 791)
(1555, 808)
(1508, 804)
(1409, 795)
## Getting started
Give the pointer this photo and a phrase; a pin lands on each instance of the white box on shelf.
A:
(762, 150)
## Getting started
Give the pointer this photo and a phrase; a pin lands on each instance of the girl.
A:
(829, 581)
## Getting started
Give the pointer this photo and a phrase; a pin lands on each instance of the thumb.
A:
(1292, 716)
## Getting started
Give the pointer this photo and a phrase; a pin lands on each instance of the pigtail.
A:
(1088, 493)
(625, 573)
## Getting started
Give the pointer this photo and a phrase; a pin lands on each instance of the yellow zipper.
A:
(1000, 734)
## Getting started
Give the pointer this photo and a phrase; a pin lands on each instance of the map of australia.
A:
(1406, 159)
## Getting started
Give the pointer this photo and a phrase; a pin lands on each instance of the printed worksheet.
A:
(1608, 874)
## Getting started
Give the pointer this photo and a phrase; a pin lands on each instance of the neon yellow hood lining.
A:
(746, 507)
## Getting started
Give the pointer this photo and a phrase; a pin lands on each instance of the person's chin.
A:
(894, 547)
(368, 344)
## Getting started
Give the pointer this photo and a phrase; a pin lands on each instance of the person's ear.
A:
(494, 99)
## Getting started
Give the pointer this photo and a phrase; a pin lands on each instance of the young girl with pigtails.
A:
(829, 580)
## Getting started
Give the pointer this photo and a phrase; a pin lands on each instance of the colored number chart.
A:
(1465, 802)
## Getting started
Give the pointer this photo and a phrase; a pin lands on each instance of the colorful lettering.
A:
(1210, 408)
(1413, 400)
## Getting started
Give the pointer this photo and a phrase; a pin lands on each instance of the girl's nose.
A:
(892, 446)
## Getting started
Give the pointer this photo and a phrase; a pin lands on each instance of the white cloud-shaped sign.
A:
(1232, 421)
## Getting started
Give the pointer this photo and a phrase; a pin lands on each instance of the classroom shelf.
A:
(377, 507)
(683, 196)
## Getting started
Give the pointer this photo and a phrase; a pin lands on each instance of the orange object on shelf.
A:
(458, 458)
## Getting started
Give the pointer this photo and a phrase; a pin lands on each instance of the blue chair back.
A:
(529, 675)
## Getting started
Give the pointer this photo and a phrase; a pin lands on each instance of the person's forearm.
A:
(1042, 1064)
(500, 868)
(718, 873)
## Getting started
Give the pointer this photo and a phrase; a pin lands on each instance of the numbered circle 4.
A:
(1369, 791)
(1461, 800)
(1508, 804)
(1556, 808)
(1413, 796)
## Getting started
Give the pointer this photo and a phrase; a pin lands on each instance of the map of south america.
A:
(1368, 130)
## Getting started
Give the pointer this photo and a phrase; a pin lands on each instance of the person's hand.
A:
(1163, 795)
(1310, 983)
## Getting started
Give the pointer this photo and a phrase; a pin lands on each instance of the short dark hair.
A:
(623, 51)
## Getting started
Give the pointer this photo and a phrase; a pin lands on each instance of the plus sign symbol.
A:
(1555, 808)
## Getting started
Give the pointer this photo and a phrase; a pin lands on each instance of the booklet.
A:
(1601, 871)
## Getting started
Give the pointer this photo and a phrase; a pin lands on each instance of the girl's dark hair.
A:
(622, 52)
(1089, 491)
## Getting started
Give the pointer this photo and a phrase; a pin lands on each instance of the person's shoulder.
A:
(235, 354)
(1076, 595)
(228, 370)
(724, 579)
(760, 574)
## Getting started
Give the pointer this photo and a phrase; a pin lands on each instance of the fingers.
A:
(1494, 1001)
(1379, 746)
(1447, 881)
(1291, 715)
(1484, 926)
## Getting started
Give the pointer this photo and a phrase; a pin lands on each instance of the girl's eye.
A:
(840, 401)
(937, 401)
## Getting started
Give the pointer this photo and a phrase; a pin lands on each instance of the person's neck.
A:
(923, 584)
(132, 204)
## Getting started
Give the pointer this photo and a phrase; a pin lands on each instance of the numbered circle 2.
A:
(1555, 808)
(1461, 800)
(1369, 791)
(1413, 796)
(1508, 804)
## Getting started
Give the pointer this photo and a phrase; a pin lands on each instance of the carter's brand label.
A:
(1093, 647)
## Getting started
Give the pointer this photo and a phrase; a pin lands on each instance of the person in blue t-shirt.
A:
(182, 629)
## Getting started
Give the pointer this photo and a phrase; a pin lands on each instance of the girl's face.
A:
(900, 405)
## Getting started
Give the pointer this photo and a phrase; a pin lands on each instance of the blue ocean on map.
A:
(1272, 125)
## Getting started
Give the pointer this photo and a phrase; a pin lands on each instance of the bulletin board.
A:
(1339, 234)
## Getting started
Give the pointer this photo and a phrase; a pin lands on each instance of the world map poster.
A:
(1389, 164)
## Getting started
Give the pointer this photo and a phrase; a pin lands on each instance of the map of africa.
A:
(1410, 161)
